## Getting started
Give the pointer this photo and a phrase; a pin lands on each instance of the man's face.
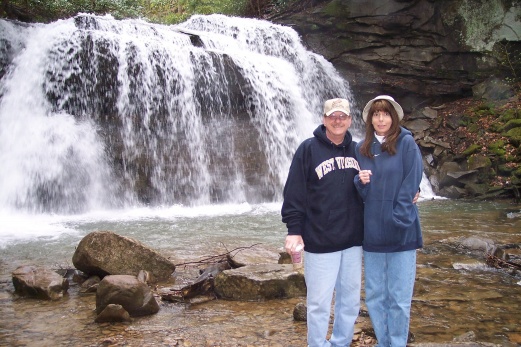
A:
(336, 125)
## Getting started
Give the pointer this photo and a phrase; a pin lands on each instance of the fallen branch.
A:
(204, 284)
(217, 258)
(499, 263)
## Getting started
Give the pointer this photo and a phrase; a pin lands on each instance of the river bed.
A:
(455, 293)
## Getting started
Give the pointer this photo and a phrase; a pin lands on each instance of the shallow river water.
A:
(455, 292)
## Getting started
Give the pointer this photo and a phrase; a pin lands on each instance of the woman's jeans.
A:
(389, 284)
(325, 273)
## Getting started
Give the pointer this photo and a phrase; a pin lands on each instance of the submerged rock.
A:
(113, 313)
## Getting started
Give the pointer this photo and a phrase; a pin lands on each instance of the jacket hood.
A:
(320, 134)
(404, 132)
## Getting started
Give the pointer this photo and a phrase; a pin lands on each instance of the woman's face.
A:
(382, 122)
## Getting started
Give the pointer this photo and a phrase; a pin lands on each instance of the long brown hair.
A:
(391, 138)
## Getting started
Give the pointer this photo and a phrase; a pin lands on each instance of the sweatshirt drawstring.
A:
(344, 155)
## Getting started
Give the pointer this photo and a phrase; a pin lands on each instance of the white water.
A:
(99, 114)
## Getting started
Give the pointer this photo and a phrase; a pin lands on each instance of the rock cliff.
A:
(423, 52)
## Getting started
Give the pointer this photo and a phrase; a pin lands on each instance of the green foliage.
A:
(50, 10)
(159, 11)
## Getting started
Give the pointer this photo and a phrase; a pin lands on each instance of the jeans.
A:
(325, 273)
(389, 284)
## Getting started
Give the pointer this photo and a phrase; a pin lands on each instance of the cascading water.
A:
(99, 113)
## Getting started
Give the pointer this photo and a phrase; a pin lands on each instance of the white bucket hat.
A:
(396, 106)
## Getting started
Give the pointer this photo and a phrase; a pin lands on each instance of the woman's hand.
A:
(365, 176)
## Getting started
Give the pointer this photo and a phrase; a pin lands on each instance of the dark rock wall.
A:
(422, 52)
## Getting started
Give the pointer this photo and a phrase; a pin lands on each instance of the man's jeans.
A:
(325, 273)
(389, 284)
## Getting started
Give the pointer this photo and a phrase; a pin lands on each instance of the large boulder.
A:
(104, 253)
(260, 282)
(39, 282)
(129, 292)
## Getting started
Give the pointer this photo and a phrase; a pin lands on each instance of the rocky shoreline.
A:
(252, 281)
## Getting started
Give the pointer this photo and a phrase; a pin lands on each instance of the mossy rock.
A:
(473, 128)
(336, 9)
(505, 170)
(496, 127)
(509, 115)
(512, 124)
(514, 135)
(471, 150)
(485, 110)
(497, 148)
(478, 162)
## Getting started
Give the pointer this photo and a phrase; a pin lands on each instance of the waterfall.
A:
(100, 113)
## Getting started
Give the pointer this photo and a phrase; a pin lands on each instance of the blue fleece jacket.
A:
(391, 218)
(321, 202)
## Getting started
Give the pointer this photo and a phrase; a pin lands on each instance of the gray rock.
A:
(254, 255)
(417, 125)
(469, 336)
(107, 253)
(39, 282)
(260, 282)
(129, 292)
(300, 312)
(478, 244)
(113, 313)
(90, 285)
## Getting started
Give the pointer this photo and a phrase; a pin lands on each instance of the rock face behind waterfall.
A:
(422, 52)
(126, 112)
(106, 253)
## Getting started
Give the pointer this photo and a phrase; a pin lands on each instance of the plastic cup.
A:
(296, 257)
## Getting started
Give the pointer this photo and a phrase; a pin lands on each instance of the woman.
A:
(391, 170)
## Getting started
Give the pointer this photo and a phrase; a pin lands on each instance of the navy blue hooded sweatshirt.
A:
(321, 202)
(391, 220)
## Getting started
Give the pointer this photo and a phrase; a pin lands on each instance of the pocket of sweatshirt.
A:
(379, 224)
(345, 225)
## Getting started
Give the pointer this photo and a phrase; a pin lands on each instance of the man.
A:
(324, 212)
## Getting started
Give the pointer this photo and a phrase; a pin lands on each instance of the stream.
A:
(455, 292)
